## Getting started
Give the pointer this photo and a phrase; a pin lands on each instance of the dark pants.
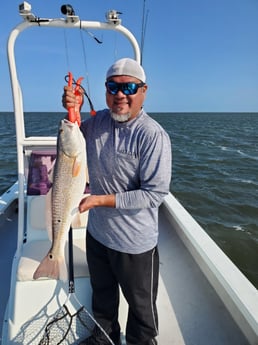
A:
(137, 275)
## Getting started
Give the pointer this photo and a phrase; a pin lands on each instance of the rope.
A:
(66, 50)
(85, 63)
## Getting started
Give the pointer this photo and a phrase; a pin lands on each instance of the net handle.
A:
(70, 260)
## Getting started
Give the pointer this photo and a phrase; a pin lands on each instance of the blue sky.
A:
(199, 55)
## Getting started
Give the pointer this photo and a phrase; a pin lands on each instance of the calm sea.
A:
(215, 173)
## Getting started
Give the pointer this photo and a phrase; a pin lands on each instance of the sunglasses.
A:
(126, 88)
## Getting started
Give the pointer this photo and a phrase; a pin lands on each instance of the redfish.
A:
(69, 179)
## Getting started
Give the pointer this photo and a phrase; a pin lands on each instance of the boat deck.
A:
(190, 311)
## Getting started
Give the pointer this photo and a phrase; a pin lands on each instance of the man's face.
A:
(126, 106)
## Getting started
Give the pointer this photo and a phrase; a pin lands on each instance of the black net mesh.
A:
(67, 328)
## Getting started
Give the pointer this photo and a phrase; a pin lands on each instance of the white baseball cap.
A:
(127, 66)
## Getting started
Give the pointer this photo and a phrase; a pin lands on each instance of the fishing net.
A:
(68, 328)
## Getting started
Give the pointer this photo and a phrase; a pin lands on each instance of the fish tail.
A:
(53, 268)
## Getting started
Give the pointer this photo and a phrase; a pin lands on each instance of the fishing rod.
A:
(144, 25)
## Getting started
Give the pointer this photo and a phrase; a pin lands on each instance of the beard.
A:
(120, 118)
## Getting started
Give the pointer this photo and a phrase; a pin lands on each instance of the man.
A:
(129, 162)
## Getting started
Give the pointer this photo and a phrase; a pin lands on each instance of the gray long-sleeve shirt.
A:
(133, 161)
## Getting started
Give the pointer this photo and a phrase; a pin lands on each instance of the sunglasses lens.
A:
(112, 87)
(131, 88)
(126, 88)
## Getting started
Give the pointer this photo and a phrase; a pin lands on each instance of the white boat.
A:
(203, 297)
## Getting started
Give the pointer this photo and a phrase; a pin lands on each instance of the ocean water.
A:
(214, 173)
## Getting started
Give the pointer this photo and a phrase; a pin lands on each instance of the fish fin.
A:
(49, 214)
(76, 167)
(51, 268)
(76, 221)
